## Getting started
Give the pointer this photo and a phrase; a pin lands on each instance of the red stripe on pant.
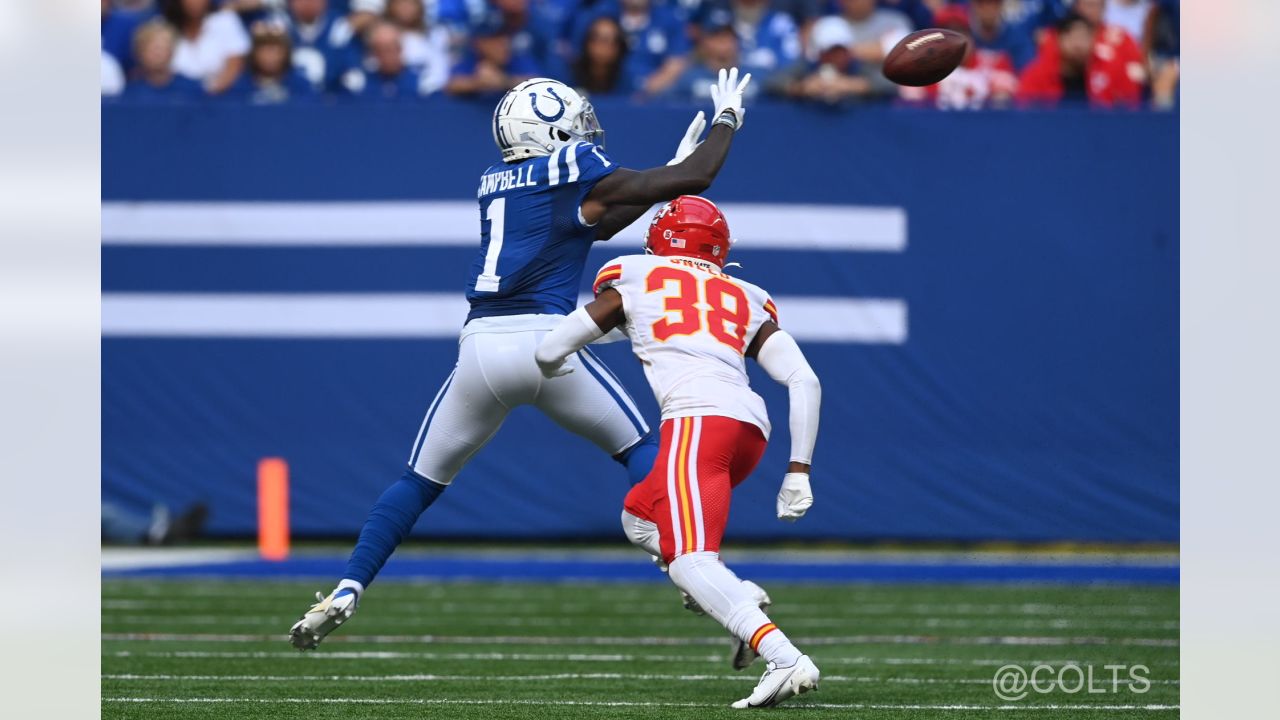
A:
(687, 494)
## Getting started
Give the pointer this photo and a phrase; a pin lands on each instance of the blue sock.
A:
(639, 458)
(390, 520)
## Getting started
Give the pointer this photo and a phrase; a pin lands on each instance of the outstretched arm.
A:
(578, 329)
(778, 354)
(640, 189)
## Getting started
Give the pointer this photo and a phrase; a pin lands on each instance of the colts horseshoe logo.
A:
(533, 97)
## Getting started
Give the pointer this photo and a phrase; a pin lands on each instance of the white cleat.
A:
(743, 655)
(779, 684)
(323, 618)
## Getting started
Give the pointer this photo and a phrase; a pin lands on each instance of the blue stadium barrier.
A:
(991, 301)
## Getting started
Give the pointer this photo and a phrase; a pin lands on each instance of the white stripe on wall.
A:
(757, 226)
(428, 315)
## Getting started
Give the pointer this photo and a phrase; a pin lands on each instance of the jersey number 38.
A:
(727, 313)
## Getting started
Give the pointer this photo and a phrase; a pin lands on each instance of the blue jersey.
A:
(533, 242)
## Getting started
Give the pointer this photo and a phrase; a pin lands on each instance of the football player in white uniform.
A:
(693, 326)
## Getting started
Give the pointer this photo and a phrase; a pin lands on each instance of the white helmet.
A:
(539, 115)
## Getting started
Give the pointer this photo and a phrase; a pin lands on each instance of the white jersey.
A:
(690, 325)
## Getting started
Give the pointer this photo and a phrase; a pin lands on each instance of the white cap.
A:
(831, 31)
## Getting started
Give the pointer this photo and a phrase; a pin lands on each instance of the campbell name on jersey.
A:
(691, 324)
(533, 241)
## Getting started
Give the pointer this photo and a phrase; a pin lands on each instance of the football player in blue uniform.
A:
(554, 193)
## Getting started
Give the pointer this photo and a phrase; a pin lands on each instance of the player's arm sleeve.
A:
(780, 356)
(575, 332)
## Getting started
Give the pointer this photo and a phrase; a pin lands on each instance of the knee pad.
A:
(642, 533)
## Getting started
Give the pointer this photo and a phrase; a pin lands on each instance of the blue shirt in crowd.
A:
(325, 49)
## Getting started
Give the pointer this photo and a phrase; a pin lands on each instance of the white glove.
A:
(726, 95)
(558, 368)
(795, 497)
(690, 141)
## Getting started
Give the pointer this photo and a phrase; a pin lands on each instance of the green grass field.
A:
(217, 649)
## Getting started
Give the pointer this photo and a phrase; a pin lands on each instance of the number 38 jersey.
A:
(533, 242)
(690, 325)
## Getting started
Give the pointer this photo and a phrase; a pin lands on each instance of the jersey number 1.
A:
(497, 216)
(726, 324)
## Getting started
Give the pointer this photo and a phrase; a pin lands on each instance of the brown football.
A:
(925, 57)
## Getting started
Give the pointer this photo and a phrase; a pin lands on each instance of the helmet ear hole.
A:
(561, 134)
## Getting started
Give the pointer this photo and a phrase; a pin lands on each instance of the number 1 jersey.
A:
(690, 325)
(533, 241)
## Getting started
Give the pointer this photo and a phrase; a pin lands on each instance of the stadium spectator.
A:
(271, 78)
(768, 39)
(919, 12)
(212, 44)
(834, 76)
(657, 41)
(426, 49)
(324, 44)
(984, 79)
(1162, 47)
(1077, 62)
(716, 49)
(991, 31)
(112, 76)
(599, 67)
(386, 77)
(1131, 15)
(364, 13)
(875, 32)
(119, 23)
(492, 62)
(153, 78)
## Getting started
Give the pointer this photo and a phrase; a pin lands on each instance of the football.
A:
(925, 57)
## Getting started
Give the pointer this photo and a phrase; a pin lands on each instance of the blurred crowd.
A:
(1106, 53)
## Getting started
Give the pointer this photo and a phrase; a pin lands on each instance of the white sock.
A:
(733, 605)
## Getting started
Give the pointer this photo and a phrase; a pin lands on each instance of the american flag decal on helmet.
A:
(677, 242)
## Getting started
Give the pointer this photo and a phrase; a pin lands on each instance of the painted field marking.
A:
(544, 621)
(717, 658)
(427, 677)
(559, 609)
(624, 703)
(653, 640)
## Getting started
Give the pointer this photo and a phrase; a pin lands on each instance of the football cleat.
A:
(779, 684)
(323, 618)
(743, 655)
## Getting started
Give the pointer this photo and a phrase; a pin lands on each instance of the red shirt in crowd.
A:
(985, 77)
(1114, 76)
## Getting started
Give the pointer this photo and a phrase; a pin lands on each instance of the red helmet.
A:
(690, 226)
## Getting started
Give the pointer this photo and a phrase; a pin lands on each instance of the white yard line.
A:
(716, 658)
(622, 703)
(611, 621)
(428, 677)
(653, 640)
(552, 607)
